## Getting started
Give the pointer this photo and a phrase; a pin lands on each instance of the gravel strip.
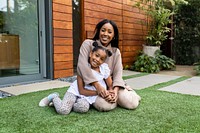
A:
(68, 79)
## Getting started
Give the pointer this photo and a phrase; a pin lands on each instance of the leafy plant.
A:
(145, 63)
(187, 33)
(149, 64)
(126, 67)
(157, 19)
(197, 67)
(164, 62)
(158, 16)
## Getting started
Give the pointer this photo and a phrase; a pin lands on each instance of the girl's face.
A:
(106, 34)
(97, 58)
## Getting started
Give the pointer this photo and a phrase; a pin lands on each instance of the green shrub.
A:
(145, 63)
(127, 67)
(164, 62)
(187, 33)
(197, 67)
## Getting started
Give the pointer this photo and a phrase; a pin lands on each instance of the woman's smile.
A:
(106, 34)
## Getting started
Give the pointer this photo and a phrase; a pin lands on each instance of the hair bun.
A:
(109, 53)
(95, 44)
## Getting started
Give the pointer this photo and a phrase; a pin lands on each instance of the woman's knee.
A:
(128, 99)
(102, 105)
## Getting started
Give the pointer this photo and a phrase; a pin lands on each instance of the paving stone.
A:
(190, 86)
(27, 88)
(149, 80)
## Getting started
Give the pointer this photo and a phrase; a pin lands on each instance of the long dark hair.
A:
(115, 41)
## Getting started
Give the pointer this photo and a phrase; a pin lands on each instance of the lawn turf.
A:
(159, 111)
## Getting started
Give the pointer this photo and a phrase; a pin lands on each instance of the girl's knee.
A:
(81, 106)
(64, 107)
(63, 111)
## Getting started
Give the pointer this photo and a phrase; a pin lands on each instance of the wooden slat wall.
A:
(62, 38)
(121, 11)
(132, 32)
(127, 19)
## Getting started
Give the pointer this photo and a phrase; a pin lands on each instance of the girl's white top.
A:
(100, 76)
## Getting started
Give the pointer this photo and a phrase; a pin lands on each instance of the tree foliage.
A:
(187, 33)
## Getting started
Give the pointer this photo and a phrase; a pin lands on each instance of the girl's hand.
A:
(111, 97)
(103, 93)
(114, 94)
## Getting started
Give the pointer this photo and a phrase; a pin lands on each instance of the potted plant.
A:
(158, 17)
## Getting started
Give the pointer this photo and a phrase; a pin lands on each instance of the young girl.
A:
(79, 96)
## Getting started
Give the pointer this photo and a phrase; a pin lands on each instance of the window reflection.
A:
(19, 41)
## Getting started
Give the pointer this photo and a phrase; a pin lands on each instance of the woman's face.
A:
(106, 34)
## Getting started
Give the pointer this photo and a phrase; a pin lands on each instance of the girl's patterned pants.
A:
(70, 102)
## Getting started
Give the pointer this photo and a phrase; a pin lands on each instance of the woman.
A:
(107, 35)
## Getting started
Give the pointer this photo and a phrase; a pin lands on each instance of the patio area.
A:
(181, 70)
(63, 82)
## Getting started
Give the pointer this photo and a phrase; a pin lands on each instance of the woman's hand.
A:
(113, 95)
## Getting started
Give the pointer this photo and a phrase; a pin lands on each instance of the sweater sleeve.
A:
(83, 68)
(117, 70)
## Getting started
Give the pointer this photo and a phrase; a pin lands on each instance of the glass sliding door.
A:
(21, 39)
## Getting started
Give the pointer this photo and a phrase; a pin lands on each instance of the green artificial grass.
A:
(158, 112)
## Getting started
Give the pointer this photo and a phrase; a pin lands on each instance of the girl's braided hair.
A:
(96, 47)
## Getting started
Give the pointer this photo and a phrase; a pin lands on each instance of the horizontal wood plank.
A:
(62, 8)
(63, 41)
(62, 17)
(63, 2)
(63, 73)
(98, 8)
(106, 3)
(62, 25)
(63, 49)
(63, 65)
(62, 33)
(63, 57)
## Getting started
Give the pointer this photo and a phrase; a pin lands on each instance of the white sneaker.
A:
(47, 100)
(44, 102)
(52, 96)
(51, 104)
